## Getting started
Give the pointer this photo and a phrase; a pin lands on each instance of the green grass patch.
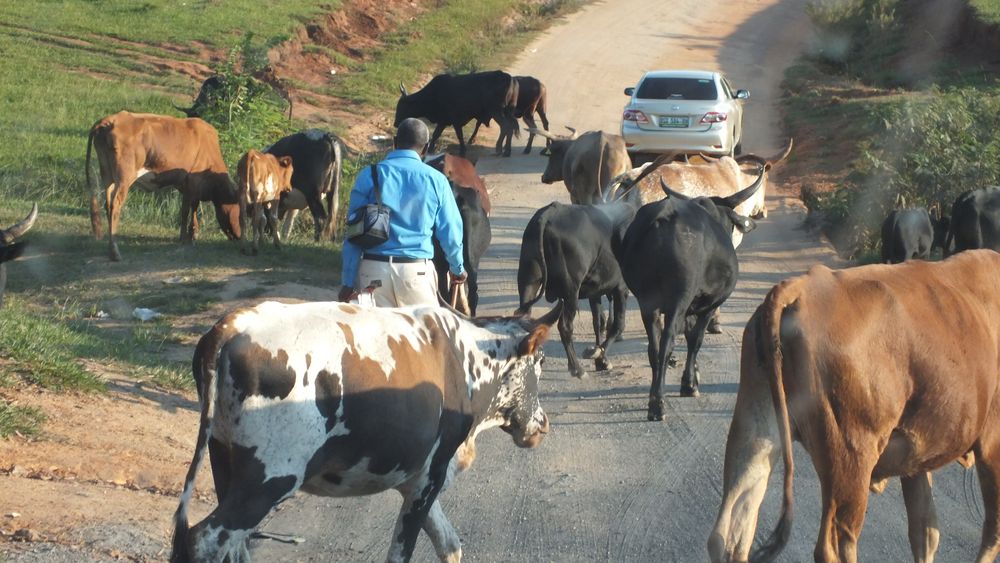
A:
(987, 10)
(26, 421)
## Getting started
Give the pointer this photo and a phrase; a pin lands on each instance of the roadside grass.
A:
(14, 419)
(987, 10)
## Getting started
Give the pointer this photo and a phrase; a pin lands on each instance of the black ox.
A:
(911, 233)
(454, 100)
(316, 160)
(693, 273)
(566, 253)
(975, 221)
(531, 99)
(10, 249)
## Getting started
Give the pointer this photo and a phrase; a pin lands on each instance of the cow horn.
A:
(571, 130)
(739, 197)
(402, 90)
(784, 154)
(671, 193)
(552, 316)
(546, 134)
(621, 192)
(10, 235)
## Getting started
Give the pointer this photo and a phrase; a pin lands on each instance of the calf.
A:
(461, 172)
(317, 159)
(975, 221)
(476, 237)
(162, 151)
(10, 248)
(867, 404)
(338, 400)
(694, 271)
(911, 233)
(586, 164)
(263, 178)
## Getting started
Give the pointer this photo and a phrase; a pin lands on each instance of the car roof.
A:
(679, 74)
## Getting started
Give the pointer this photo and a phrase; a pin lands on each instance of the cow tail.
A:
(770, 324)
(543, 219)
(205, 370)
(95, 205)
(510, 110)
(331, 186)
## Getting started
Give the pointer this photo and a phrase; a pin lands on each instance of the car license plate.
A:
(673, 121)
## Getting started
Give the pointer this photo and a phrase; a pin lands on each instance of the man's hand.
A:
(458, 279)
(346, 294)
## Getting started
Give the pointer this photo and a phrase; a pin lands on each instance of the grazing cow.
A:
(694, 271)
(263, 178)
(10, 249)
(911, 233)
(975, 221)
(531, 99)
(566, 254)
(461, 172)
(586, 164)
(454, 100)
(339, 400)
(317, 160)
(162, 151)
(476, 237)
(818, 366)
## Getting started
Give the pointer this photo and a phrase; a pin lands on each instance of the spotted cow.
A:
(338, 400)
(263, 178)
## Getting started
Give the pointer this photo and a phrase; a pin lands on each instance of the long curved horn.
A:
(758, 160)
(10, 235)
(671, 193)
(571, 130)
(739, 197)
(624, 185)
(402, 90)
(783, 155)
(546, 134)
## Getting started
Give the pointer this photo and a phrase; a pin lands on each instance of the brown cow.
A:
(462, 173)
(263, 178)
(586, 164)
(162, 151)
(819, 366)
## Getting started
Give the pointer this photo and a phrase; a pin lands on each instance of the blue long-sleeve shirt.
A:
(420, 204)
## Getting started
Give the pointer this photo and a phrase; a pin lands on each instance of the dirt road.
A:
(606, 484)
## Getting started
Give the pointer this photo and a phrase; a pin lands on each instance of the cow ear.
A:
(285, 161)
(743, 224)
(539, 331)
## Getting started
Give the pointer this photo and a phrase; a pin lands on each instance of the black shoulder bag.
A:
(370, 225)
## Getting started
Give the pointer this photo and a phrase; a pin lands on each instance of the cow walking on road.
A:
(586, 164)
(678, 259)
(531, 99)
(161, 151)
(911, 233)
(339, 400)
(818, 366)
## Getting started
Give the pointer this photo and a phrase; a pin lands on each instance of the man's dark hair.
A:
(411, 134)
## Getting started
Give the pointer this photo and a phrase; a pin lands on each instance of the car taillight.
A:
(635, 115)
(713, 117)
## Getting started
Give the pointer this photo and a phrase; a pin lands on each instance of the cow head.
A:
(556, 152)
(767, 164)
(284, 179)
(516, 404)
(404, 107)
(721, 208)
(10, 249)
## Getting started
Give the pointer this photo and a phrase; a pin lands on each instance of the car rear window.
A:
(677, 88)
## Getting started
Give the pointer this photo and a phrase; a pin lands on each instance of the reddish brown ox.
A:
(819, 366)
(263, 178)
(462, 173)
(161, 151)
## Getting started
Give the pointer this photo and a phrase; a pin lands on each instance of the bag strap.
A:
(378, 189)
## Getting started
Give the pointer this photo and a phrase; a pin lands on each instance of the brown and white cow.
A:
(263, 178)
(819, 366)
(461, 172)
(338, 400)
(586, 164)
(161, 151)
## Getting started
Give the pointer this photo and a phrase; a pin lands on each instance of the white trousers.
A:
(402, 284)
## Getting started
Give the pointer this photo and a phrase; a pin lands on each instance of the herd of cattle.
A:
(817, 364)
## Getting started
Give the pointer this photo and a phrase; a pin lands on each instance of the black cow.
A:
(975, 221)
(10, 249)
(454, 100)
(566, 253)
(531, 99)
(316, 161)
(692, 272)
(476, 237)
(911, 233)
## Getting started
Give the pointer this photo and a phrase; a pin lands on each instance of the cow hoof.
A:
(592, 352)
(714, 327)
(688, 391)
(620, 338)
(582, 374)
(672, 361)
(655, 412)
(602, 364)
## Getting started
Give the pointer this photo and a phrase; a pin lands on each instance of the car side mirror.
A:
(629, 91)
(743, 94)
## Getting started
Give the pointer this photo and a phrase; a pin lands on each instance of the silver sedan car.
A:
(690, 111)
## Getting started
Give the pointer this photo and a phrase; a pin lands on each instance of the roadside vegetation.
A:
(910, 139)
(68, 309)
(987, 10)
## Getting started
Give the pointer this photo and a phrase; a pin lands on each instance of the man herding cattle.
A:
(162, 151)
(421, 204)
(868, 404)
(337, 400)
